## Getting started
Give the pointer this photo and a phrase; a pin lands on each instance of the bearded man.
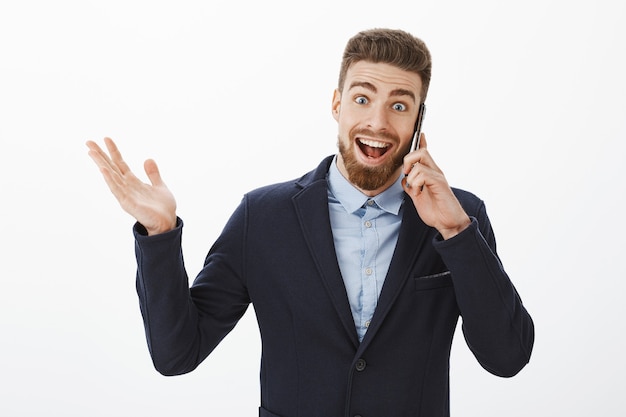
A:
(358, 271)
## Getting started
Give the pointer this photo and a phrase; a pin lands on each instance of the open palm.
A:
(152, 205)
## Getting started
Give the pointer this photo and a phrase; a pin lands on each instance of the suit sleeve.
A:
(497, 328)
(183, 325)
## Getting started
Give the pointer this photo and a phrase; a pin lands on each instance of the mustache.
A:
(363, 131)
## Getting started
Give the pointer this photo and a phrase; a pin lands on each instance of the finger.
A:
(111, 178)
(93, 146)
(416, 180)
(409, 162)
(152, 171)
(101, 158)
(425, 158)
(116, 180)
(96, 153)
(116, 156)
(414, 157)
(406, 184)
(413, 189)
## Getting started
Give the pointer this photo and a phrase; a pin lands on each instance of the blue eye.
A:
(361, 100)
(399, 107)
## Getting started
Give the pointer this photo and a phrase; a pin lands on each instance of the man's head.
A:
(383, 79)
(395, 47)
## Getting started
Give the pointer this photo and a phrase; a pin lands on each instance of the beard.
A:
(366, 177)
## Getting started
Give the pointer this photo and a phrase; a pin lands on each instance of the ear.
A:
(336, 106)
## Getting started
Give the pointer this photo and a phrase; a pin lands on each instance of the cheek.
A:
(346, 125)
(408, 136)
(406, 132)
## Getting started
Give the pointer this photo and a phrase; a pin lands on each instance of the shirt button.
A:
(368, 224)
(368, 271)
(370, 202)
(367, 324)
(360, 365)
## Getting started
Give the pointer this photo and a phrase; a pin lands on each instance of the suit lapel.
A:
(311, 205)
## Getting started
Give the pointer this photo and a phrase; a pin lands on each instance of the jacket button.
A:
(360, 365)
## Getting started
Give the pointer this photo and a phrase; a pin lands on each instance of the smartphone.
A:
(415, 144)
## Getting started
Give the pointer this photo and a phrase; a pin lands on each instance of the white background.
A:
(526, 108)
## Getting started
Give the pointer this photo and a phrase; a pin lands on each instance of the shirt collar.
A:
(352, 199)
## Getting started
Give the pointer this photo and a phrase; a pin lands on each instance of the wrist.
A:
(450, 232)
(162, 228)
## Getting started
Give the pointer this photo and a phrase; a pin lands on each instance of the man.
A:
(358, 271)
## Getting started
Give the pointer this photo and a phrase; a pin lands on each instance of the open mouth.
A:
(372, 148)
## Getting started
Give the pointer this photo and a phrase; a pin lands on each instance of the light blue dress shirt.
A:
(365, 231)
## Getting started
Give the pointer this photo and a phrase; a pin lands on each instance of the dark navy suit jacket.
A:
(277, 252)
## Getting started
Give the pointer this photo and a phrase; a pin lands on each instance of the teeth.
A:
(374, 143)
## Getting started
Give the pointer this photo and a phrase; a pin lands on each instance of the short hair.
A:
(389, 46)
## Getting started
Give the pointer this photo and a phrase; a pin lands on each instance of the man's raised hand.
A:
(152, 205)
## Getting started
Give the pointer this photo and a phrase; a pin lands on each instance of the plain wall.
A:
(526, 109)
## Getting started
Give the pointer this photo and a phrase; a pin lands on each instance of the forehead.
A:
(384, 77)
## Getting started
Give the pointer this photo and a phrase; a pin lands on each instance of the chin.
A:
(364, 176)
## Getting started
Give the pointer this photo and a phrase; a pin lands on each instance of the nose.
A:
(378, 118)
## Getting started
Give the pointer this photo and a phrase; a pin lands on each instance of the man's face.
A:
(376, 113)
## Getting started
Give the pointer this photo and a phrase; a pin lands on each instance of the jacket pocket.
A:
(434, 281)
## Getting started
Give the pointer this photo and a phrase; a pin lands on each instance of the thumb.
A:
(152, 171)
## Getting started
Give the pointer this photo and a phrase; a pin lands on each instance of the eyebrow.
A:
(394, 93)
